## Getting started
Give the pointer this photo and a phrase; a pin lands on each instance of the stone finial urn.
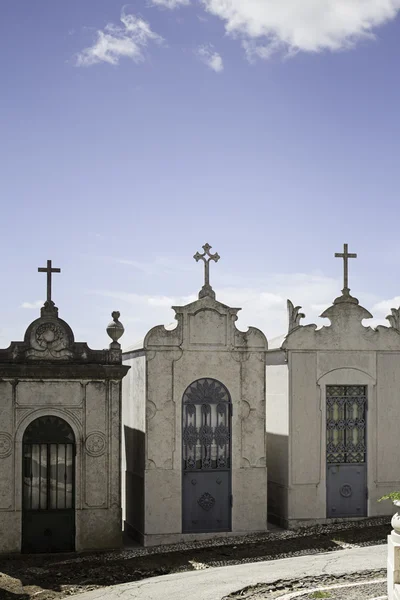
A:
(115, 329)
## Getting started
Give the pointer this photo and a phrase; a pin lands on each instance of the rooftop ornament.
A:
(206, 257)
(345, 297)
(115, 330)
(49, 306)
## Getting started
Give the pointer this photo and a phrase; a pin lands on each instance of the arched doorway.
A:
(48, 496)
(206, 457)
(346, 450)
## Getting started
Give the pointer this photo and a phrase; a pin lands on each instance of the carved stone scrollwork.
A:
(151, 410)
(295, 315)
(95, 443)
(5, 445)
(49, 334)
(49, 340)
(394, 318)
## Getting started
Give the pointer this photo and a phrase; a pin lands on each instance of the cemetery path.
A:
(220, 582)
(187, 566)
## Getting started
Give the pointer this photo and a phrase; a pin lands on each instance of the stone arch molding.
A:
(76, 427)
(48, 412)
(6, 444)
(349, 376)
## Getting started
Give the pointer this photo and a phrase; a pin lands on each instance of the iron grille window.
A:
(206, 426)
(345, 423)
(48, 472)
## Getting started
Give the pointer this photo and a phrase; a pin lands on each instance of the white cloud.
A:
(170, 3)
(37, 304)
(383, 308)
(267, 26)
(262, 300)
(209, 57)
(128, 40)
(263, 303)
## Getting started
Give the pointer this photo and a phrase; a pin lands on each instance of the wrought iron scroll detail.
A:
(346, 490)
(206, 416)
(346, 423)
(206, 501)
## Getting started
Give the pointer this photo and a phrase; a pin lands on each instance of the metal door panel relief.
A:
(346, 450)
(206, 457)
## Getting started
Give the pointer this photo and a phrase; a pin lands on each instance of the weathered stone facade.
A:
(207, 350)
(308, 375)
(51, 377)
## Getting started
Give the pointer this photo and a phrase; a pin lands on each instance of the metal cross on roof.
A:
(206, 257)
(49, 270)
(345, 255)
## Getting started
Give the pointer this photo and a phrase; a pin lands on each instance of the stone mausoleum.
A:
(194, 435)
(332, 415)
(60, 431)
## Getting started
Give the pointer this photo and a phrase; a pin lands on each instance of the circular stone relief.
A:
(49, 334)
(346, 490)
(5, 445)
(95, 443)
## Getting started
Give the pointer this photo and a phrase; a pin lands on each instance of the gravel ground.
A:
(50, 577)
(367, 585)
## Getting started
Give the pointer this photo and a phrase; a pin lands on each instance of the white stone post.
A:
(393, 561)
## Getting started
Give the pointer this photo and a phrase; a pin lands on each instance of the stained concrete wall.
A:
(305, 436)
(205, 344)
(133, 443)
(310, 373)
(168, 380)
(346, 352)
(92, 409)
(385, 420)
(277, 420)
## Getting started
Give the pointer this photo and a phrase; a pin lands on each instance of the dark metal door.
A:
(48, 506)
(206, 457)
(346, 477)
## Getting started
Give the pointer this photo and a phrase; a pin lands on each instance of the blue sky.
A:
(133, 134)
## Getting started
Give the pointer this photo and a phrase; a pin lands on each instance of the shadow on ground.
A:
(49, 577)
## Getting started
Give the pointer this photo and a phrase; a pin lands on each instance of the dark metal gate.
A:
(206, 457)
(48, 503)
(346, 449)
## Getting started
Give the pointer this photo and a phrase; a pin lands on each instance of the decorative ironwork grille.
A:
(48, 473)
(206, 426)
(346, 407)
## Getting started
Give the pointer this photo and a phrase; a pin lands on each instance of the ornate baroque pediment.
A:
(49, 339)
(346, 330)
(206, 324)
